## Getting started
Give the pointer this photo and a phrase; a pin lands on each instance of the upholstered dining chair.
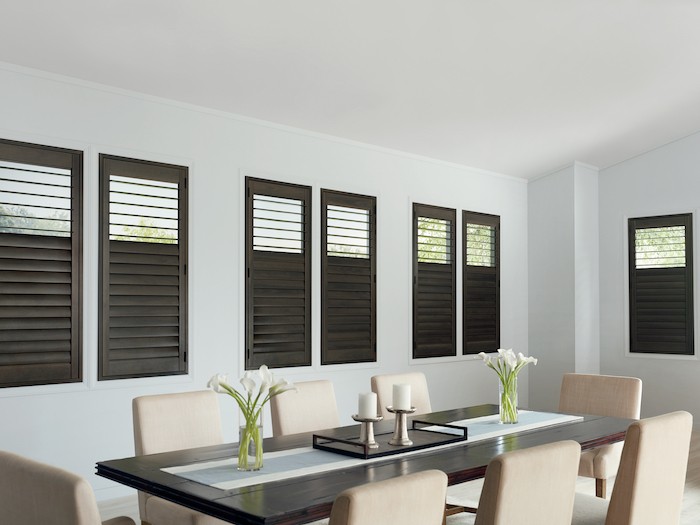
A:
(601, 395)
(34, 493)
(311, 407)
(532, 486)
(382, 385)
(649, 485)
(413, 499)
(167, 422)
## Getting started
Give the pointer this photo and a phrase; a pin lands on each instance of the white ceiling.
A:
(520, 87)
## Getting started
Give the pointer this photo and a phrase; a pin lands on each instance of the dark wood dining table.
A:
(307, 498)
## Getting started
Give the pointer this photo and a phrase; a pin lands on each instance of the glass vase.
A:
(508, 400)
(250, 443)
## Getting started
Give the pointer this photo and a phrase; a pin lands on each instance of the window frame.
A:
(364, 202)
(256, 186)
(50, 372)
(469, 217)
(633, 224)
(440, 213)
(154, 171)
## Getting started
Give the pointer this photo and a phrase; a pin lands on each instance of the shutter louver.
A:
(434, 297)
(481, 283)
(40, 276)
(278, 294)
(661, 290)
(143, 322)
(348, 270)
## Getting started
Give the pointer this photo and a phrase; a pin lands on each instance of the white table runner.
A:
(222, 474)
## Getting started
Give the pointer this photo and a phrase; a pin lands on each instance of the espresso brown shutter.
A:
(348, 278)
(278, 267)
(481, 283)
(661, 284)
(40, 264)
(434, 277)
(143, 258)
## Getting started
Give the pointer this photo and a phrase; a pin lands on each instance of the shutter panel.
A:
(434, 294)
(40, 264)
(348, 268)
(661, 285)
(481, 282)
(278, 286)
(143, 289)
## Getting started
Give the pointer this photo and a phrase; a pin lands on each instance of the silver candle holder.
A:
(367, 429)
(400, 437)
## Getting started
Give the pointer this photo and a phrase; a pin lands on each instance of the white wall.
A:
(551, 291)
(563, 273)
(76, 425)
(663, 181)
(586, 267)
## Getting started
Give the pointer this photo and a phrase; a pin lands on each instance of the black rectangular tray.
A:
(422, 439)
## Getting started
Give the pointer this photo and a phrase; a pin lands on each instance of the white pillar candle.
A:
(401, 397)
(367, 405)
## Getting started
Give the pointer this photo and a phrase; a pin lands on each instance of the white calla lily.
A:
(507, 366)
(216, 381)
(280, 386)
(258, 388)
(248, 384)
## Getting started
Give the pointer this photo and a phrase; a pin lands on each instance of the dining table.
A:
(206, 479)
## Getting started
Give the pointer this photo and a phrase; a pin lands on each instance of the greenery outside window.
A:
(278, 274)
(348, 278)
(143, 268)
(481, 282)
(40, 264)
(661, 284)
(434, 278)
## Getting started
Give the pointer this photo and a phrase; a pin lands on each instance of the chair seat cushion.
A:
(601, 462)
(589, 510)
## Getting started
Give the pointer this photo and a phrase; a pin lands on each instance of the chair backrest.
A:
(311, 407)
(650, 481)
(600, 395)
(413, 499)
(532, 486)
(168, 422)
(34, 493)
(382, 385)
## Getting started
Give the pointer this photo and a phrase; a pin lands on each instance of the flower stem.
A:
(250, 435)
(508, 406)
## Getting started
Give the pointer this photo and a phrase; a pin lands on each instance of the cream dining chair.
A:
(649, 485)
(167, 422)
(310, 407)
(413, 499)
(382, 385)
(34, 493)
(533, 486)
(601, 395)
